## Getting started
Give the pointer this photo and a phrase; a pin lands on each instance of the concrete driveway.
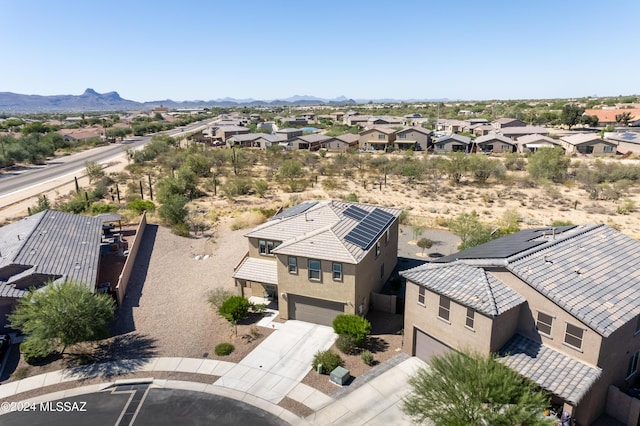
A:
(280, 362)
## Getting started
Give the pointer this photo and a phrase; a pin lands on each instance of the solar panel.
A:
(369, 229)
(295, 210)
(355, 213)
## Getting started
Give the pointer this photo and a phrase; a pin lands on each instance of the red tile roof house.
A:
(561, 306)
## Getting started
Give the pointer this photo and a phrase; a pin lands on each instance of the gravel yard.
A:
(167, 295)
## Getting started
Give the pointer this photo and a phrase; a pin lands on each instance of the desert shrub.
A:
(234, 309)
(258, 308)
(329, 184)
(353, 325)
(352, 197)
(248, 219)
(260, 187)
(98, 208)
(181, 229)
(254, 332)
(367, 358)
(550, 164)
(34, 349)
(425, 243)
(514, 162)
(403, 218)
(328, 359)
(627, 206)
(139, 205)
(224, 349)
(218, 295)
(561, 223)
(347, 344)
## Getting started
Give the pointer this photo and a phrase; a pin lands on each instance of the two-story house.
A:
(320, 259)
(561, 306)
(417, 138)
(377, 138)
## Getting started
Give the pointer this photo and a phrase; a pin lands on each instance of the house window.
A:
(378, 248)
(633, 364)
(265, 247)
(440, 146)
(573, 336)
(471, 316)
(506, 147)
(544, 323)
(445, 306)
(337, 271)
(293, 265)
(382, 271)
(314, 270)
(402, 136)
(421, 295)
(386, 237)
(607, 148)
(381, 137)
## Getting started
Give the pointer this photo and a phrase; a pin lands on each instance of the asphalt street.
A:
(121, 405)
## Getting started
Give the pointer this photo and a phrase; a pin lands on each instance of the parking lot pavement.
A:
(280, 362)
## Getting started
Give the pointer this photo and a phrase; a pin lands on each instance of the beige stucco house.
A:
(587, 143)
(417, 138)
(559, 305)
(377, 138)
(494, 143)
(452, 143)
(321, 258)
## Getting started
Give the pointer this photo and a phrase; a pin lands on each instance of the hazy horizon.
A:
(361, 50)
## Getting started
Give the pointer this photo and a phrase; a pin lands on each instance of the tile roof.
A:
(318, 231)
(313, 138)
(415, 129)
(493, 137)
(524, 130)
(468, 285)
(349, 138)
(506, 120)
(609, 115)
(581, 138)
(454, 138)
(381, 129)
(592, 272)
(554, 371)
(629, 137)
(258, 270)
(536, 138)
(52, 244)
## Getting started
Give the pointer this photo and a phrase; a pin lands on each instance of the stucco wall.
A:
(123, 281)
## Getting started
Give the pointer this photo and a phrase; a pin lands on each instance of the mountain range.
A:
(91, 100)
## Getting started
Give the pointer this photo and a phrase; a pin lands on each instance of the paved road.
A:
(139, 405)
(12, 183)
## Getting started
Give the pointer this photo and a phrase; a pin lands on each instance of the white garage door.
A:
(317, 311)
(426, 346)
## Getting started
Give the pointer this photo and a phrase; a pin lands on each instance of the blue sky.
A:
(187, 50)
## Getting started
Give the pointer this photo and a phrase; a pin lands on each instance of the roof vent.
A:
(547, 261)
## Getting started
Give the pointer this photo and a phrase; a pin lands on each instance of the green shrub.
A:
(258, 308)
(561, 223)
(139, 206)
(98, 208)
(328, 359)
(367, 358)
(351, 197)
(34, 349)
(347, 344)
(353, 325)
(181, 229)
(224, 349)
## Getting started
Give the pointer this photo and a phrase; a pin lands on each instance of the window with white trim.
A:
(607, 148)
(444, 308)
(378, 248)
(471, 318)
(337, 271)
(293, 265)
(633, 364)
(314, 270)
(544, 323)
(573, 336)
(381, 136)
(421, 295)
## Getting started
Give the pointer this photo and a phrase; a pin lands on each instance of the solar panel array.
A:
(369, 229)
(355, 213)
(295, 210)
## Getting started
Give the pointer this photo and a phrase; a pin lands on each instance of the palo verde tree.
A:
(60, 315)
(462, 389)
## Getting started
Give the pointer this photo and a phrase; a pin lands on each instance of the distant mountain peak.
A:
(90, 91)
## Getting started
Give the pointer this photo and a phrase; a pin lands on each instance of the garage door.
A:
(317, 311)
(426, 346)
